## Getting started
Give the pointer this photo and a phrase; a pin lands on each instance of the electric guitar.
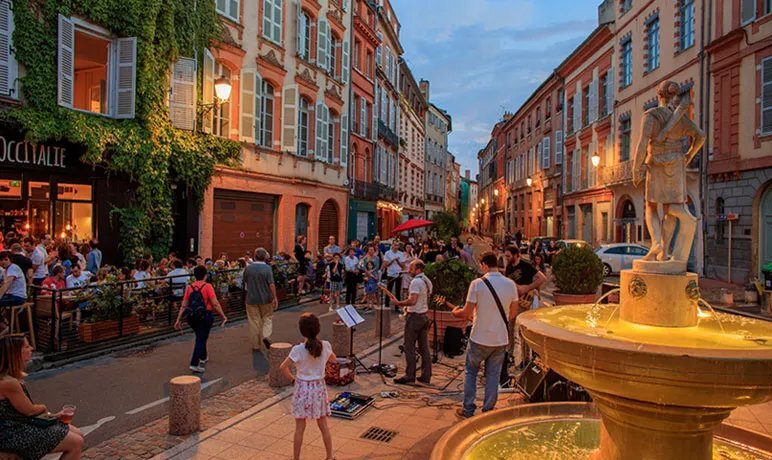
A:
(393, 298)
(524, 301)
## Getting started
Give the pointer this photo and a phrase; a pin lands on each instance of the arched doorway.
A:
(765, 217)
(301, 219)
(328, 223)
(627, 221)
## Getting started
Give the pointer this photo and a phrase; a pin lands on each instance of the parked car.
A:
(619, 256)
(562, 244)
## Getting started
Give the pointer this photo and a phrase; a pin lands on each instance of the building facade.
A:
(492, 188)
(452, 183)
(438, 126)
(362, 215)
(412, 143)
(739, 140)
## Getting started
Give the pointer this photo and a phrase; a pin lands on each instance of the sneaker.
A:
(424, 381)
(460, 413)
(201, 362)
(197, 369)
(403, 381)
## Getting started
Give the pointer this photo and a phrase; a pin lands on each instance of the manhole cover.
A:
(379, 434)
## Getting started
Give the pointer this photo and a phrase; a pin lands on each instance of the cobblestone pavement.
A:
(153, 438)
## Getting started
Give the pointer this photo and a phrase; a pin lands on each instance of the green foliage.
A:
(110, 300)
(447, 224)
(577, 270)
(450, 278)
(147, 148)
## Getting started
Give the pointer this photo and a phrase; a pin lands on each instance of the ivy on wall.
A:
(147, 148)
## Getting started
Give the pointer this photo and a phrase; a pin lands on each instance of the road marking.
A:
(163, 400)
(91, 428)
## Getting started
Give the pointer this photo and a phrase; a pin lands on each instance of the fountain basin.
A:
(472, 439)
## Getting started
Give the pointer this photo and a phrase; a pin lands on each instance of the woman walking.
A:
(300, 256)
(197, 304)
(310, 400)
(335, 273)
(28, 429)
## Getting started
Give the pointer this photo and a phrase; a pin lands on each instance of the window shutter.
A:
(578, 110)
(330, 56)
(182, 100)
(289, 117)
(301, 25)
(344, 63)
(593, 108)
(258, 109)
(545, 159)
(8, 65)
(766, 96)
(247, 104)
(379, 56)
(374, 132)
(66, 62)
(610, 91)
(125, 83)
(558, 147)
(326, 148)
(208, 90)
(344, 140)
(539, 160)
(321, 44)
(363, 117)
(318, 153)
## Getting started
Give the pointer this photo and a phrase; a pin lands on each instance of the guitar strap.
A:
(498, 302)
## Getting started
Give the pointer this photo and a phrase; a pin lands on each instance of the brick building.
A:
(412, 157)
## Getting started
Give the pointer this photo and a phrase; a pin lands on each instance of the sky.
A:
(486, 56)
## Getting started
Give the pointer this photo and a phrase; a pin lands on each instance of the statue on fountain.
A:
(660, 149)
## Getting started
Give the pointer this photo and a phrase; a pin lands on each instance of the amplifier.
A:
(541, 384)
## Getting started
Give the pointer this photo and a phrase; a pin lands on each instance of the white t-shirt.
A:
(180, 278)
(141, 277)
(488, 327)
(78, 281)
(19, 285)
(395, 268)
(307, 367)
(38, 257)
(422, 286)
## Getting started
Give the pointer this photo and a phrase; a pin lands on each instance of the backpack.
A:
(196, 309)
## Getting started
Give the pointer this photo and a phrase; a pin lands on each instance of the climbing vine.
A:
(147, 148)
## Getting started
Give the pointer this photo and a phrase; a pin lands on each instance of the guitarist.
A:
(528, 280)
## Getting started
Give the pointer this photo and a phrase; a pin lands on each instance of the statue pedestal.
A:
(659, 294)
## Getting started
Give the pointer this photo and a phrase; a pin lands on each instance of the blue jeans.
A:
(201, 328)
(10, 300)
(493, 357)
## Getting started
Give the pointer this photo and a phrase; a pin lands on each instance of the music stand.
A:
(351, 318)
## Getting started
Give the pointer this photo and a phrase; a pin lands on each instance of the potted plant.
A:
(451, 279)
(110, 313)
(283, 272)
(578, 273)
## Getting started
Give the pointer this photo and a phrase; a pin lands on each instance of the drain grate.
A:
(379, 434)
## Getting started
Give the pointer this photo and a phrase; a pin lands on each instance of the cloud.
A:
(486, 56)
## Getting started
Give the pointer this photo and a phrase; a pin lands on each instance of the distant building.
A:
(438, 126)
(412, 157)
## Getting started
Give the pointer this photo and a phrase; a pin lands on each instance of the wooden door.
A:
(242, 223)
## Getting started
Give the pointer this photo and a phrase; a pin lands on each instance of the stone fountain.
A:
(662, 374)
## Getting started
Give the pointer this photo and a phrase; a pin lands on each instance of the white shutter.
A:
(247, 105)
(289, 132)
(182, 98)
(8, 65)
(610, 91)
(766, 96)
(539, 160)
(344, 140)
(208, 90)
(66, 62)
(258, 109)
(362, 117)
(558, 147)
(318, 132)
(301, 25)
(578, 110)
(344, 63)
(321, 44)
(593, 108)
(545, 154)
(326, 134)
(330, 56)
(379, 56)
(125, 76)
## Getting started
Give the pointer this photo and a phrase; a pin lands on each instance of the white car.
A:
(619, 256)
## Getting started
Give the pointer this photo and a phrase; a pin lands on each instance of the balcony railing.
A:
(388, 134)
(386, 193)
(365, 190)
(619, 173)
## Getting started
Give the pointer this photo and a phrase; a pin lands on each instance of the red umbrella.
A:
(411, 224)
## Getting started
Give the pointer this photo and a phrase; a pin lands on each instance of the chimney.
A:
(606, 12)
(467, 174)
(424, 85)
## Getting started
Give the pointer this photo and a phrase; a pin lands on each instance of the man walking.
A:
(417, 324)
(261, 300)
(491, 304)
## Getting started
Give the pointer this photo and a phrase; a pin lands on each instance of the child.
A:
(335, 272)
(371, 285)
(310, 399)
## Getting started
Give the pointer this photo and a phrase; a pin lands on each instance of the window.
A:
(331, 138)
(570, 115)
(303, 127)
(767, 6)
(627, 62)
(766, 96)
(545, 159)
(548, 109)
(538, 116)
(603, 99)
(96, 72)
(266, 122)
(229, 9)
(363, 117)
(625, 5)
(586, 104)
(558, 147)
(652, 39)
(272, 20)
(301, 219)
(8, 65)
(529, 124)
(687, 24)
(222, 113)
(304, 36)
(624, 140)
(369, 65)
(332, 65)
(357, 52)
(747, 11)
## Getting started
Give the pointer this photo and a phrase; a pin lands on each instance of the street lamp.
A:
(595, 159)
(482, 201)
(529, 182)
(222, 88)
(496, 192)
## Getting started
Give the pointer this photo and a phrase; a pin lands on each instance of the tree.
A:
(447, 224)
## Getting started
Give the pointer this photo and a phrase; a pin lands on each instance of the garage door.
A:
(363, 219)
(328, 224)
(242, 223)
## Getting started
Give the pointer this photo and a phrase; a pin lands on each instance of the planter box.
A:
(572, 299)
(444, 320)
(105, 330)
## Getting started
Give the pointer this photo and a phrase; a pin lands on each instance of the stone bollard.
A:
(184, 405)
(341, 339)
(276, 355)
(386, 312)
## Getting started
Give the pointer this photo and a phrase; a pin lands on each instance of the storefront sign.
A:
(31, 154)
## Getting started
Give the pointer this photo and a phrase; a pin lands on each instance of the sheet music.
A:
(350, 316)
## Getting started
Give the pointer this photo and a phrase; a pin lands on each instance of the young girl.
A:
(371, 285)
(335, 272)
(310, 400)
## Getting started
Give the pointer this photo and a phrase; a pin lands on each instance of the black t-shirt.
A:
(300, 254)
(522, 273)
(24, 262)
(429, 257)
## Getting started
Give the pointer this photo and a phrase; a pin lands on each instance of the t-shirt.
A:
(178, 278)
(53, 283)
(141, 276)
(307, 367)
(18, 287)
(22, 261)
(332, 250)
(258, 278)
(522, 273)
(207, 291)
(38, 257)
(393, 260)
(78, 281)
(488, 328)
(350, 263)
(422, 286)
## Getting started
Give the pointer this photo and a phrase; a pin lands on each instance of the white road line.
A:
(91, 428)
(163, 400)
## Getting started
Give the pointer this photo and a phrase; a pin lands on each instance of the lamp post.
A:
(595, 159)
(529, 182)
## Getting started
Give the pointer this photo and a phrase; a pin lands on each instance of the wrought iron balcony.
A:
(365, 190)
(620, 173)
(386, 193)
(386, 132)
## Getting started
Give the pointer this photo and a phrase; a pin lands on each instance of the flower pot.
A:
(105, 330)
(572, 299)
(444, 320)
